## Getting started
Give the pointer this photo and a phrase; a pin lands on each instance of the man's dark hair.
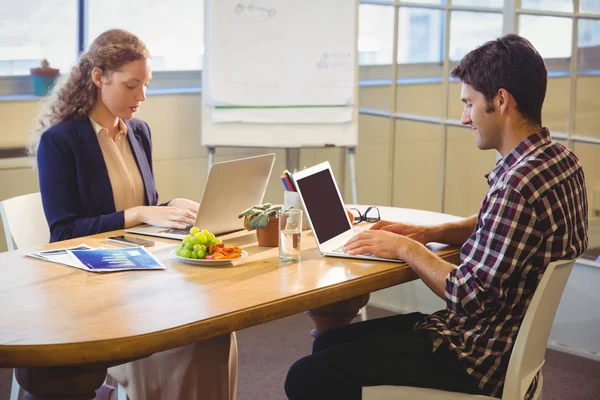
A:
(512, 63)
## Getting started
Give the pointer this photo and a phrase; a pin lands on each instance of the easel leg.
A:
(351, 151)
(211, 153)
(292, 160)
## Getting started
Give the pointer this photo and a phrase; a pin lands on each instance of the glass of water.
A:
(290, 235)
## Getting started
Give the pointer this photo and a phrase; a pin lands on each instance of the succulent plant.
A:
(258, 216)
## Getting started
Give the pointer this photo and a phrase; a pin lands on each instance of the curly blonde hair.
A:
(75, 94)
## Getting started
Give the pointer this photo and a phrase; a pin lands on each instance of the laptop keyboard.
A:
(342, 251)
(175, 231)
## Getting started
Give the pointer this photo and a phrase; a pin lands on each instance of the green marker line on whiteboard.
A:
(274, 107)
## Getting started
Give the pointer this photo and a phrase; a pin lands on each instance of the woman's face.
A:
(123, 91)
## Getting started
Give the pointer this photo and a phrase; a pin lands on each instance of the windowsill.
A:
(438, 79)
(401, 81)
(149, 92)
(362, 83)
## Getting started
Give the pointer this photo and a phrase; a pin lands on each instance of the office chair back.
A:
(24, 221)
(530, 347)
(528, 353)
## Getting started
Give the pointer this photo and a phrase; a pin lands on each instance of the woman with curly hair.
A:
(95, 173)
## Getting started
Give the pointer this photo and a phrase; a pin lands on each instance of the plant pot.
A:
(43, 80)
(269, 237)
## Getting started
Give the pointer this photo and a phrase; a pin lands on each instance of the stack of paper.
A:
(101, 259)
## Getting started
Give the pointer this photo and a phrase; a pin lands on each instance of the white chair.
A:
(528, 354)
(25, 226)
(24, 221)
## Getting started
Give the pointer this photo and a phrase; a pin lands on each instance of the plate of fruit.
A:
(201, 247)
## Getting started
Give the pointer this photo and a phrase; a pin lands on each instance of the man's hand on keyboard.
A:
(421, 234)
(381, 244)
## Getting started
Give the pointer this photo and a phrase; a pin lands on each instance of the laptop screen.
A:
(322, 202)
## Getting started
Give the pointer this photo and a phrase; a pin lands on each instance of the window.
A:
(35, 29)
(176, 45)
(548, 5)
(589, 44)
(551, 36)
(420, 35)
(589, 6)
(375, 34)
(435, 2)
(479, 3)
(31, 30)
(470, 29)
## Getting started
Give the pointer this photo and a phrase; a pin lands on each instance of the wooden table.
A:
(55, 316)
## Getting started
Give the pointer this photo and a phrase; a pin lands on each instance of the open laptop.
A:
(231, 187)
(326, 211)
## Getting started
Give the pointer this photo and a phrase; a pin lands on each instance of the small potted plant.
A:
(43, 78)
(265, 219)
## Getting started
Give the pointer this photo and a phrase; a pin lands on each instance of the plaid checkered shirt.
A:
(535, 212)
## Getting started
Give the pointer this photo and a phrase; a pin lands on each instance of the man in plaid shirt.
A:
(535, 212)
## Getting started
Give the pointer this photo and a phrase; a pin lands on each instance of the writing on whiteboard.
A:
(242, 8)
(334, 60)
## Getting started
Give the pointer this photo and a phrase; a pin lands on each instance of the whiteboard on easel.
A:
(280, 73)
(281, 53)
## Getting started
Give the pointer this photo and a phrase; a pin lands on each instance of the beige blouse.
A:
(123, 172)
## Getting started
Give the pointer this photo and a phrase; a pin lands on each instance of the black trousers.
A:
(385, 351)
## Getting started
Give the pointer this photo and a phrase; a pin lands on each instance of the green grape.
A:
(186, 254)
(197, 247)
(210, 236)
(194, 230)
(189, 246)
(178, 251)
(201, 238)
(203, 247)
(205, 232)
(201, 253)
(195, 240)
(187, 238)
(194, 255)
(210, 243)
(217, 241)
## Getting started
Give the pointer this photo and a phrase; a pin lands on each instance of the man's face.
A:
(482, 117)
(124, 90)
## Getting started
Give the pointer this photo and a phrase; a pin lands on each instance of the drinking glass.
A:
(290, 235)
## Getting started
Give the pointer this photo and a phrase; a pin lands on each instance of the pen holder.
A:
(293, 199)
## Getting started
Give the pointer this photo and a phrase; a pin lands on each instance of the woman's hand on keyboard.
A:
(167, 217)
(185, 204)
(418, 233)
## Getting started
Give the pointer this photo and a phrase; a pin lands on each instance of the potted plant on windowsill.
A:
(265, 219)
(43, 78)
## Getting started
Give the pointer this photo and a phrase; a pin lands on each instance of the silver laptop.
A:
(326, 211)
(231, 187)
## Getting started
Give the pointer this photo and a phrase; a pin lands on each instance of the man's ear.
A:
(97, 76)
(503, 97)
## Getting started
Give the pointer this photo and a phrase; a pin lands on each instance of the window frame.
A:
(20, 87)
(512, 10)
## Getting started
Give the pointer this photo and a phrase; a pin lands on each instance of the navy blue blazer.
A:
(74, 183)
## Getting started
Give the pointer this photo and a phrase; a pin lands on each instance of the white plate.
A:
(204, 262)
